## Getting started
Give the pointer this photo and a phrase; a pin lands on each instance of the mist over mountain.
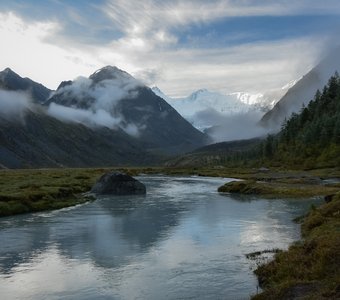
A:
(303, 91)
(107, 119)
(111, 97)
(226, 117)
(11, 81)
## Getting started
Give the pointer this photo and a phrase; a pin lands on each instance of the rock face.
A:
(117, 183)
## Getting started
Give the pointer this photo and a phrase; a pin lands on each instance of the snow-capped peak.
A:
(247, 98)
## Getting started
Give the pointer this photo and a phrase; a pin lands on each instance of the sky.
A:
(180, 46)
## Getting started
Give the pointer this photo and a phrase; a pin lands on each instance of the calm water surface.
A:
(182, 240)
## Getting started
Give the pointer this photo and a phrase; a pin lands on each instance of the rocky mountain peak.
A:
(109, 73)
(8, 73)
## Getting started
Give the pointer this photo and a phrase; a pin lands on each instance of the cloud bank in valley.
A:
(94, 104)
(234, 127)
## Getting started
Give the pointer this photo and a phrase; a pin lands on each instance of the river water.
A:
(182, 240)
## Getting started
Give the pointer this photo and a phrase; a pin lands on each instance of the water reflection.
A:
(181, 240)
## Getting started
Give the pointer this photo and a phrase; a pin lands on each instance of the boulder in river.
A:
(117, 183)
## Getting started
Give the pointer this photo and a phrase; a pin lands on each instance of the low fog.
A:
(232, 127)
(96, 102)
(13, 105)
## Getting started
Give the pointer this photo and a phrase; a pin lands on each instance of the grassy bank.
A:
(24, 191)
(284, 188)
(310, 268)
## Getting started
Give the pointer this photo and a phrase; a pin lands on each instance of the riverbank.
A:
(23, 191)
(281, 188)
(310, 268)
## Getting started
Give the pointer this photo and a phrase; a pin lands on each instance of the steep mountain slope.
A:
(312, 137)
(114, 96)
(39, 140)
(11, 81)
(303, 91)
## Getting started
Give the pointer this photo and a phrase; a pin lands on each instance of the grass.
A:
(310, 268)
(23, 191)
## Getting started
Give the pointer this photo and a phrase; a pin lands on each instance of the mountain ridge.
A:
(11, 81)
(303, 91)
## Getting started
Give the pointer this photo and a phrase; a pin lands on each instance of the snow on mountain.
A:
(204, 108)
(227, 116)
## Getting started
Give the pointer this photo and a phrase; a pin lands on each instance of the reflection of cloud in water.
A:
(182, 240)
(49, 273)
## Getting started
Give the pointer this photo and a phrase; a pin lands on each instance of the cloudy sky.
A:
(180, 46)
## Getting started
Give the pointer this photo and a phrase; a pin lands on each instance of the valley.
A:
(169, 150)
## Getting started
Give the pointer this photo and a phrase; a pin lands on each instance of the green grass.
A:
(23, 191)
(310, 268)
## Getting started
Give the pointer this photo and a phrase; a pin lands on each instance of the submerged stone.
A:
(117, 183)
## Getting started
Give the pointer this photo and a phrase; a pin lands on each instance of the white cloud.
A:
(13, 105)
(99, 117)
(26, 48)
(149, 47)
(96, 103)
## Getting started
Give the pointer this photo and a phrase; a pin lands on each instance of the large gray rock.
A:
(117, 183)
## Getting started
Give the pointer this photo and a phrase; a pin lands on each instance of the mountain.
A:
(113, 98)
(310, 138)
(206, 109)
(11, 81)
(303, 91)
(108, 119)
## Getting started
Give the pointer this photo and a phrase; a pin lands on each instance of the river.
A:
(182, 240)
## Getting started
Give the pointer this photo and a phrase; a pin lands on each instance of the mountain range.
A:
(107, 119)
(206, 109)
(111, 118)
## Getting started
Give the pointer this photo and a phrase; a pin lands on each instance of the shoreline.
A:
(31, 190)
(309, 269)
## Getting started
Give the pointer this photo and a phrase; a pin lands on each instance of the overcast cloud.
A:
(180, 46)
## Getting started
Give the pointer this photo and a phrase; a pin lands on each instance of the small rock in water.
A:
(117, 183)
